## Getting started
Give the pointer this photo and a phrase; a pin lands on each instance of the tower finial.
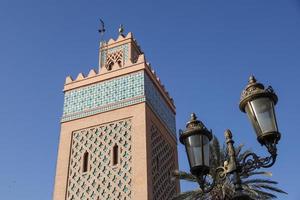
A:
(101, 29)
(121, 29)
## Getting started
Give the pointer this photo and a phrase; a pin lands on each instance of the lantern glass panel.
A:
(197, 147)
(262, 115)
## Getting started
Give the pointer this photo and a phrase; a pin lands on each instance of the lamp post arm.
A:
(251, 162)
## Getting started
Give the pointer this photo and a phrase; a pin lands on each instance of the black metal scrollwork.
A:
(251, 162)
(208, 182)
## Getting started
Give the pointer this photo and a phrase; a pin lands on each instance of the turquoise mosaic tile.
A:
(117, 93)
(104, 93)
(159, 106)
(104, 109)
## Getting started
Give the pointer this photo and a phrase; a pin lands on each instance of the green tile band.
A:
(117, 93)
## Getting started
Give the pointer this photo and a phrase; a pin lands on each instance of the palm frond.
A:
(271, 188)
(254, 181)
(188, 195)
(184, 176)
(243, 154)
(215, 157)
(238, 149)
(259, 194)
(269, 174)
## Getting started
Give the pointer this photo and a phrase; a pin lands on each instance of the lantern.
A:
(259, 103)
(196, 139)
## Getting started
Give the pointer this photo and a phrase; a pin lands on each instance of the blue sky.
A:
(203, 51)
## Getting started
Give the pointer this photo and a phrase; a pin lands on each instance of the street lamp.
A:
(196, 139)
(258, 103)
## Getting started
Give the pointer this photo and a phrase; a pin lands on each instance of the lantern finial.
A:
(253, 90)
(228, 134)
(194, 125)
(193, 116)
(252, 79)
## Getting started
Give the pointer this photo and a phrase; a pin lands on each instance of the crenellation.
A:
(153, 72)
(172, 100)
(141, 58)
(160, 83)
(129, 35)
(92, 73)
(120, 37)
(80, 77)
(158, 79)
(111, 41)
(68, 80)
(126, 63)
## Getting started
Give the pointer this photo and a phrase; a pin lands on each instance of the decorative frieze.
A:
(117, 93)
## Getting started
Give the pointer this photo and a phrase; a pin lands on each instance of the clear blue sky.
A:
(203, 51)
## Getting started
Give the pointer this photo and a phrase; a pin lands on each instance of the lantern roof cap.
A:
(194, 127)
(254, 90)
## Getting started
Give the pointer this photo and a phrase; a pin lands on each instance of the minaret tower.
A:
(118, 135)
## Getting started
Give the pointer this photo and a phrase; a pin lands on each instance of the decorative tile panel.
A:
(117, 93)
(159, 105)
(163, 163)
(103, 96)
(105, 108)
(102, 180)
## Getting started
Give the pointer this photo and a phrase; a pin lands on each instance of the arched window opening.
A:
(115, 155)
(85, 162)
(110, 65)
(120, 63)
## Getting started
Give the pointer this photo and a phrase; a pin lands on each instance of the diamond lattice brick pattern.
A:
(112, 58)
(102, 180)
(163, 163)
(123, 49)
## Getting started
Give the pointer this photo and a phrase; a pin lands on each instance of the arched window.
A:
(119, 63)
(85, 162)
(110, 65)
(115, 157)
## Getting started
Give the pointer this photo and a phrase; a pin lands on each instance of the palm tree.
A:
(253, 184)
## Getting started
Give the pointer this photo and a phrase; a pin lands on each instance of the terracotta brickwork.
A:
(102, 179)
(163, 162)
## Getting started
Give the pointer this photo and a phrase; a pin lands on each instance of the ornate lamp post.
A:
(258, 103)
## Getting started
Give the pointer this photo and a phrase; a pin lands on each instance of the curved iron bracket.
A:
(252, 161)
(219, 175)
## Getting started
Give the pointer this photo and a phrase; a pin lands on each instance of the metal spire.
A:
(102, 42)
(101, 29)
